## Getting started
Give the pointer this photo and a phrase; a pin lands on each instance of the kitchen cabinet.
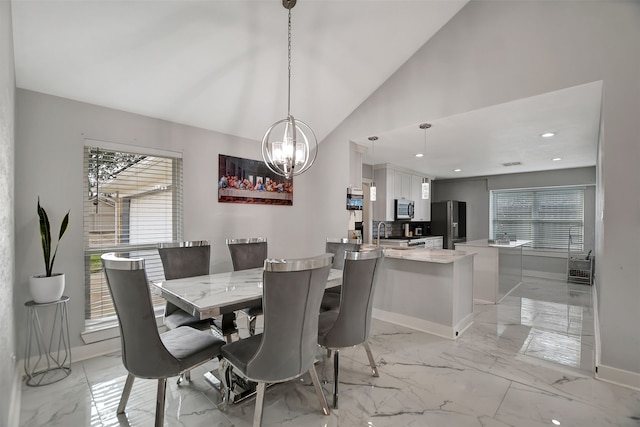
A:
(391, 184)
(402, 185)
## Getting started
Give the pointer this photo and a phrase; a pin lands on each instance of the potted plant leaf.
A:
(48, 287)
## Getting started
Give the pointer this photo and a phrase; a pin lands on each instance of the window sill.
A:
(548, 254)
(108, 330)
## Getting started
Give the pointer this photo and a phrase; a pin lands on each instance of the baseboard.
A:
(422, 325)
(596, 323)
(83, 352)
(15, 398)
(607, 373)
(619, 376)
(96, 349)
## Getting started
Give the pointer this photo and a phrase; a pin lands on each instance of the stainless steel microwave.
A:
(403, 209)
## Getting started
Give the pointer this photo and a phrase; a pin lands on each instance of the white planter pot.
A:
(46, 289)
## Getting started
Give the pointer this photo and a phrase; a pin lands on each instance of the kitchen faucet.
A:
(381, 223)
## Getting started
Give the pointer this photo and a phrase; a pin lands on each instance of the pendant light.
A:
(425, 181)
(289, 146)
(372, 189)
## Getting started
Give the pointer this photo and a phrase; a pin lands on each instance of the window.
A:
(544, 216)
(132, 201)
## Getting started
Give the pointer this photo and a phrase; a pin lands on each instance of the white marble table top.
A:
(483, 243)
(219, 293)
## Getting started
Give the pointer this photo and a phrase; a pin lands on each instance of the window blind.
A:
(544, 216)
(132, 202)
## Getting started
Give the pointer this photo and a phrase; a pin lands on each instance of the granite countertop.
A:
(484, 243)
(442, 256)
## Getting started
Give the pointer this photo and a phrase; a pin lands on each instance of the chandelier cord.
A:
(289, 69)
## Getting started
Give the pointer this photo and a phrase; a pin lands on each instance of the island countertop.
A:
(484, 243)
(441, 256)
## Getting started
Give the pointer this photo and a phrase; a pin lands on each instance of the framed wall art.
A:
(251, 181)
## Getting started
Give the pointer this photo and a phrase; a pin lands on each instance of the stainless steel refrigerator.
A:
(449, 220)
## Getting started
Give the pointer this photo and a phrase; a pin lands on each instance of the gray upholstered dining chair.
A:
(145, 352)
(246, 254)
(292, 290)
(350, 324)
(189, 259)
(337, 247)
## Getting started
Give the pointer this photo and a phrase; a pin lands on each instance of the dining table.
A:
(222, 294)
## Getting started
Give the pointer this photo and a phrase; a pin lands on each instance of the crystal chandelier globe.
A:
(289, 146)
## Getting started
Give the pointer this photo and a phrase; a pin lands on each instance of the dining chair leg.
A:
(319, 392)
(125, 393)
(252, 324)
(257, 416)
(372, 362)
(162, 385)
(336, 365)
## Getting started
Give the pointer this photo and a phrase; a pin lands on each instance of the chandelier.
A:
(289, 146)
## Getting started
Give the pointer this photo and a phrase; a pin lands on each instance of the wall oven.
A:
(403, 209)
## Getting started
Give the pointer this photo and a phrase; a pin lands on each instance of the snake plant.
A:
(45, 234)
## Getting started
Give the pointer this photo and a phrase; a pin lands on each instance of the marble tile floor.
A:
(527, 361)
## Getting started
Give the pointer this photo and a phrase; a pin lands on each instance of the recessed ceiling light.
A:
(556, 159)
(457, 170)
(419, 155)
(547, 134)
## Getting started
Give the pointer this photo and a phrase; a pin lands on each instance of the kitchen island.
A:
(497, 269)
(430, 290)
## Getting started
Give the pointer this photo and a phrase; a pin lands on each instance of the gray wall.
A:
(9, 375)
(493, 52)
(476, 192)
(50, 134)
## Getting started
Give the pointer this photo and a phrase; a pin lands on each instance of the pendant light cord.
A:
(289, 63)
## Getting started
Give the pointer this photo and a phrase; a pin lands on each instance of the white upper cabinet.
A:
(394, 184)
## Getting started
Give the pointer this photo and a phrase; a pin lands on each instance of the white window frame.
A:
(549, 232)
(106, 327)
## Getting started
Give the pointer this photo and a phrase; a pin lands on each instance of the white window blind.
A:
(544, 216)
(132, 202)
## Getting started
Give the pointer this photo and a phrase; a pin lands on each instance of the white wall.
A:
(491, 52)
(9, 377)
(495, 51)
(50, 133)
(476, 192)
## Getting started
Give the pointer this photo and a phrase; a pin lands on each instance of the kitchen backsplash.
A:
(395, 228)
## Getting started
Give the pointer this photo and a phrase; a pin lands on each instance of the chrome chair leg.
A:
(125, 393)
(372, 362)
(257, 416)
(162, 384)
(336, 366)
(185, 376)
(252, 324)
(319, 392)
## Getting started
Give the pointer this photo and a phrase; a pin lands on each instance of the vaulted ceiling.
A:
(222, 65)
